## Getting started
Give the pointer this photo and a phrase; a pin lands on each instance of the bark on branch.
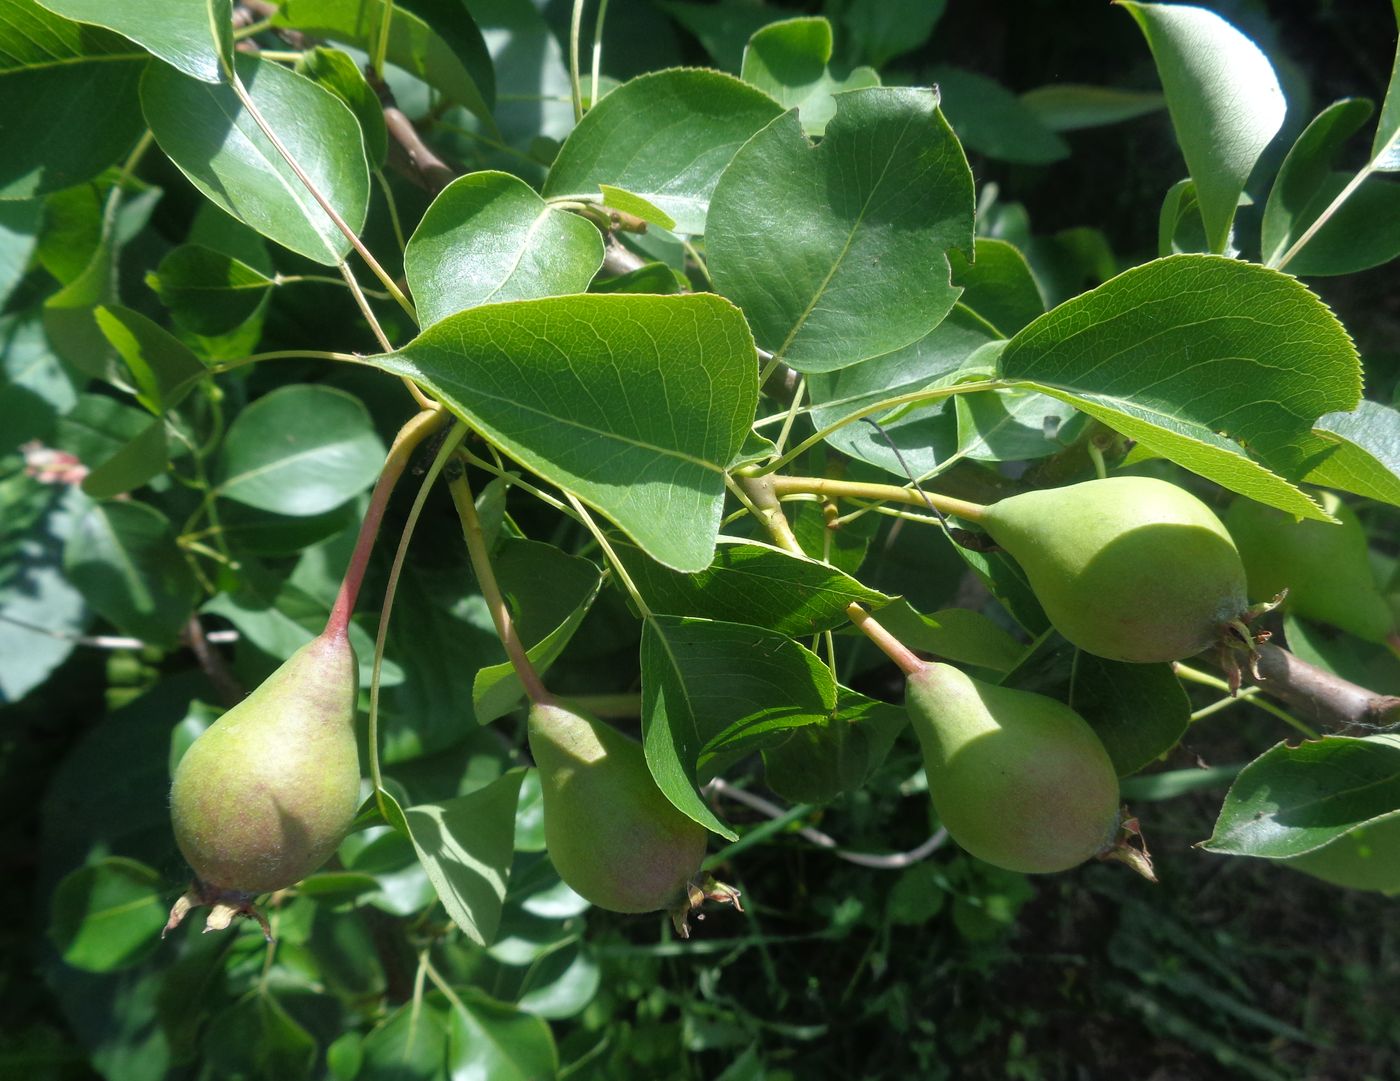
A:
(1319, 696)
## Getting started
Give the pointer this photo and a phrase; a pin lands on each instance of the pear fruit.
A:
(1325, 568)
(612, 835)
(267, 793)
(1128, 568)
(1018, 779)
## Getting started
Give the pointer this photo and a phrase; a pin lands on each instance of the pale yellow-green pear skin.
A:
(267, 793)
(1127, 568)
(1018, 779)
(612, 835)
(1325, 568)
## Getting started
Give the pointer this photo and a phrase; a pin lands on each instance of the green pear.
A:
(1128, 568)
(1325, 568)
(1018, 779)
(267, 793)
(612, 835)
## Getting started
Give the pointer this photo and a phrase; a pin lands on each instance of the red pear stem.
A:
(530, 680)
(889, 493)
(400, 453)
(763, 493)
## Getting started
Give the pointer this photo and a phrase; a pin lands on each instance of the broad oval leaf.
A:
(1224, 99)
(705, 117)
(819, 762)
(216, 143)
(257, 1038)
(300, 450)
(998, 285)
(85, 74)
(124, 559)
(337, 72)
(991, 120)
(788, 60)
(195, 36)
(636, 404)
(107, 915)
(1292, 800)
(466, 846)
(488, 238)
(835, 251)
(1072, 106)
(493, 1041)
(1193, 355)
(1140, 711)
(714, 690)
(162, 367)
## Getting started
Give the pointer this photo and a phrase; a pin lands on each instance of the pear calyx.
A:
(224, 907)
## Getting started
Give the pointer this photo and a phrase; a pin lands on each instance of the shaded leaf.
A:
(162, 367)
(1363, 452)
(1072, 106)
(207, 291)
(636, 404)
(712, 690)
(1140, 711)
(85, 74)
(466, 846)
(107, 915)
(257, 1038)
(998, 285)
(1224, 99)
(302, 450)
(124, 559)
(845, 262)
(491, 1040)
(955, 634)
(821, 761)
(884, 29)
(992, 120)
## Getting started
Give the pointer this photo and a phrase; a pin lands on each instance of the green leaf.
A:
(992, 120)
(302, 450)
(788, 60)
(84, 74)
(713, 690)
(436, 40)
(489, 238)
(124, 559)
(337, 72)
(1224, 99)
(1177, 351)
(821, 761)
(1180, 227)
(411, 1045)
(489, 1039)
(40, 612)
(20, 221)
(706, 116)
(216, 143)
(725, 27)
(957, 634)
(636, 404)
(549, 593)
(1140, 711)
(1292, 800)
(195, 37)
(134, 464)
(207, 291)
(162, 367)
(998, 285)
(884, 29)
(647, 278)
(631, 203)
(466, 846)
(1363, 452)
(753, 583)
(69, 314)
(257, 1038)
(107, 915)
(561, 984)
(1010, 426)
(1364, 231)
(1385, 147)
(1074, 106)
(835, 252)
(927, 435)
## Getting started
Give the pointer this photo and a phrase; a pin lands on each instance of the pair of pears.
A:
(265, 796)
